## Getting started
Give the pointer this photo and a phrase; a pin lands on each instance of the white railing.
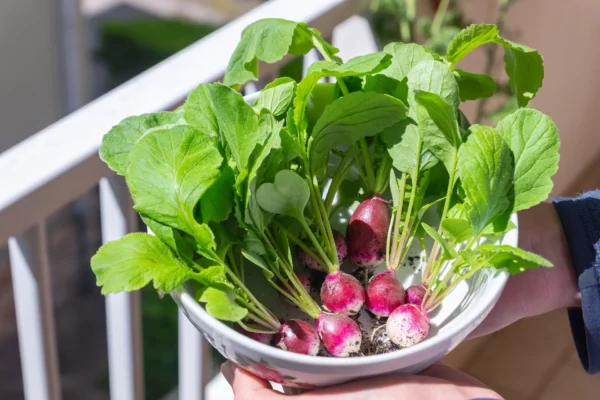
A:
(60, 163)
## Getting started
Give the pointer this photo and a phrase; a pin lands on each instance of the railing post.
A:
(32, 286)
(123, 310)
(195, 363)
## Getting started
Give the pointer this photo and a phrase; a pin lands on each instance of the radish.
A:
(308, 261)
(367, 232)
(340, 246)
(407, 325)
(265, 338)
(415, 293)
(342, 293)
(298, 336)
(384, 294)
(304, 281)
(339, 334)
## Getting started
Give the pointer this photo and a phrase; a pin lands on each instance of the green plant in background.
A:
(130, 47)
(397, 21)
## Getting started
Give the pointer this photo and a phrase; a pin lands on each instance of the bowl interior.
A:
(470, 292)
(454, 318)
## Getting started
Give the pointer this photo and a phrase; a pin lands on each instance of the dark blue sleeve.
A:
(580, 218)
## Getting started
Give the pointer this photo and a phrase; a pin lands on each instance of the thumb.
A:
(247, 386)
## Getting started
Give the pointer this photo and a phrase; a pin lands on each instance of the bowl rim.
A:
(460, 323)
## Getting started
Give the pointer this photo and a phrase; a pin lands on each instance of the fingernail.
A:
(227, 371)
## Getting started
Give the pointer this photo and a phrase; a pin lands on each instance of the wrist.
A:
(545, 289)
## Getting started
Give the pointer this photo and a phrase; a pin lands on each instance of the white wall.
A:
(31, 94)
(566, 33)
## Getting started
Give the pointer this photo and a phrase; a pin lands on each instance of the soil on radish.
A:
(359, 273)
(375, 340)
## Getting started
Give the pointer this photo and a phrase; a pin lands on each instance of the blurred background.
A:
(59, 55)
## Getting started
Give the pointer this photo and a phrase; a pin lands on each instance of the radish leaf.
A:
(434, 77)
(513, 259)
(449, 252)
(277, 96)
(525, 69)
(534, 141)
(474, 86)
(131, 262)
(120, 140)
(381, 84)
(217, 109)
(457, 229)
(253, 214)
(438, 127)
(486, 172)
(170, 170)
(220, 303)
(267, 40)
(404, 57)
(357, 66)
(287, 195)
(257, 260)
(468, 40)
(171, 237)
(351, 118)
(402, 141)
(217, 202)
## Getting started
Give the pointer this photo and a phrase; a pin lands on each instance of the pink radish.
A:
(342, 293)
(367, 232)
(340, 246)
(265, 338)
(407, 325)
(384, 294)
(298, 336)
(339, 334)
(307, 261)
(304, 281)
(415, 293)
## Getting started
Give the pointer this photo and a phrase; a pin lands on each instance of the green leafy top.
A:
(269, 40)
(220, 178)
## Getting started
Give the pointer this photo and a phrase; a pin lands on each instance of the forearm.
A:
(540, 290)
(545, 289)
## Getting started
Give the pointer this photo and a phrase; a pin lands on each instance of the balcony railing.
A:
(60, 163)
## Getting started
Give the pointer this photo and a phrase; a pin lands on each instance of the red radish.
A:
(367, 232)
(384, 293)
(342, 293)
(339, 334)
(304, 281)
(265, 338)
(407, 325)
(307, 261)
(340, 246)
(298, 336)
(415, 293)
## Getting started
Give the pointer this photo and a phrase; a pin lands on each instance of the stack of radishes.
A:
(343, 296)
(226, 186)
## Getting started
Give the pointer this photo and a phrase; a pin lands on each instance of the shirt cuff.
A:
(580, 218)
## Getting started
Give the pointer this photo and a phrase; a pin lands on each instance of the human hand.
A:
(539, 290)
(438, 382)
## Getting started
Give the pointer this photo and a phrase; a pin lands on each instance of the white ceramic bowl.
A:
(458, 315)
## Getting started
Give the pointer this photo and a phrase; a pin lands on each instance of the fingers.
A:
(441, 371)
(247, 386)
